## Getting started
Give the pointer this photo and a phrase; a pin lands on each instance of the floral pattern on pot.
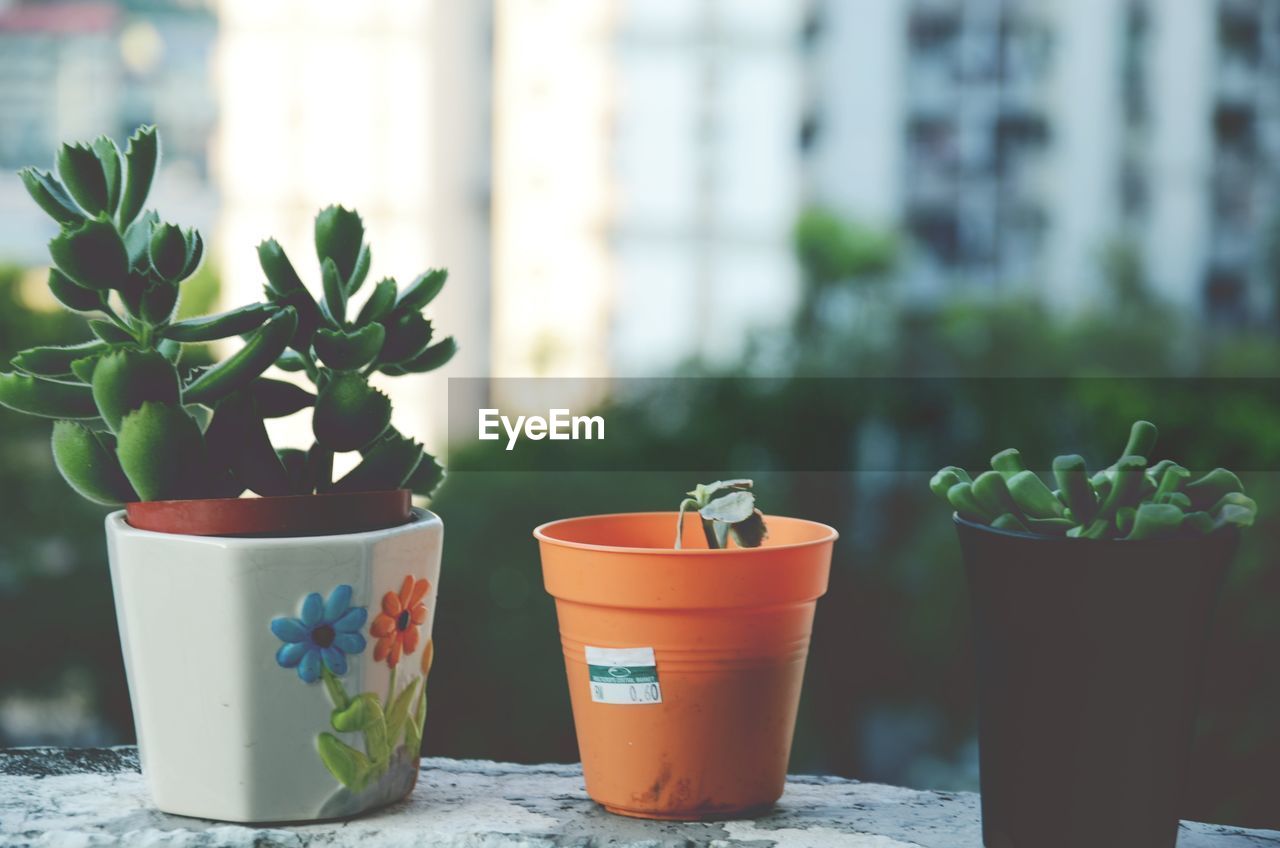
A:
(396, 627)
(318, 643)
(324, 633)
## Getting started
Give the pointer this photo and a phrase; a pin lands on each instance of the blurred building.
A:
(378, 105)
(77, 69)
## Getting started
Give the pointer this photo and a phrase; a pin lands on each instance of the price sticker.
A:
(623, 676)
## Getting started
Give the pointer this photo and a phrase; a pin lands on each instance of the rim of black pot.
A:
(1039, 537)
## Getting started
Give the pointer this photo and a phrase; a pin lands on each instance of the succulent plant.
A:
(1127, 500)
(134, 424)
(726, 508)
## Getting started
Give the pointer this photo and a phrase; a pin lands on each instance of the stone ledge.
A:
(55, 797)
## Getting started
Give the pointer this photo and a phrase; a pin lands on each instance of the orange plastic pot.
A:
(729, 633)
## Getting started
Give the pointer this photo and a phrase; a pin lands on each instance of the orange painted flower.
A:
(396, 627)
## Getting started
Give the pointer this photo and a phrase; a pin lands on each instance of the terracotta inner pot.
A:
(289, 515)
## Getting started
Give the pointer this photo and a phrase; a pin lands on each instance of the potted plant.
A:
(685, 662)
(276, 647)
(1092, 603)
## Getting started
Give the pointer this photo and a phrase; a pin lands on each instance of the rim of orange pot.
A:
(547, 533)
(279, 516)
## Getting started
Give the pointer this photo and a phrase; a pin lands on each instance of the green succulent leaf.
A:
(730, 508)
(91, 255)
(237, 439)
(74, 296)
(195, 251)
(751, 531)
(55, 361)
(408, 335)
(137, 240)
(390, 462)
(435, 356)
(1032, 496)
(335, 293)
(277, 399)
(297, 474)
(426, 478)
(81, 172)
(162, 452)
(339, 235)
(422, 291)
(224, 325)
(1152, 520)
(112, 170)
(125, 379)
(291, 361)
(348, 351)
(349, 413)
(168, 251)
(51, 196)
(87, 461)
(380, 303)
(361, 271)
(141, 156)
(262, 348)
(1210, 488)
(159, 301)
(109, 332)
(46, 398)
(282, 279)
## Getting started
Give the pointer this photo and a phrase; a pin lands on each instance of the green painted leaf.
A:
(51, 196)
(46, 398)
(162, 453)
(349, 767)
(141, 157)
(125, 379)
(349, 350)
(339, 235)
(399, 710)
(81, 173)
(92, 255)
(87, 461)
(349, 413)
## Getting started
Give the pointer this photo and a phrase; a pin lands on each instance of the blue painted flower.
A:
(326, 632)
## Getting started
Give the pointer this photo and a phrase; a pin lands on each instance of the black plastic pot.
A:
(1090, 657)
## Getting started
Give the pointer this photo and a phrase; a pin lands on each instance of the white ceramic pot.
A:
(277, 679)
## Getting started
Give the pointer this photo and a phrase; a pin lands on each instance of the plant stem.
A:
(391, 688)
